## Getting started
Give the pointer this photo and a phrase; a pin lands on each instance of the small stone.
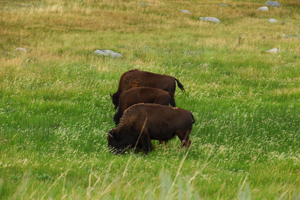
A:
(222, 4)
(264, 8)
(21, 49)
(116, 55)
(108, 52)
(275, 50)
(102, 53)
(143, 4)
(273, 3)
(273, 21)
(185, 11)
(210, 19)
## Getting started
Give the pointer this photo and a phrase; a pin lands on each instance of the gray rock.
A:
(222, 4)
(273, 21)
(108, 52)
(264, 8)
(143, 4)
(102, 53)
(275, 50)
(185, 11)
(210, 19)
(291, 36)
(273, 3)
(116, 55)
(21, 49)
(25, 5)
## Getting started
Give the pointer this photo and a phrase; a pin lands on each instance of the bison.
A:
(142, 95)
(144, 122)
(137, 78)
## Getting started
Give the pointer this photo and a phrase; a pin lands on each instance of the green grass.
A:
(55, 103)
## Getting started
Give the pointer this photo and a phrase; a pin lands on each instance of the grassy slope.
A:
(54, 99)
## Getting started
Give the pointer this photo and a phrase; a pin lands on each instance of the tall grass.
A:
(55, 104)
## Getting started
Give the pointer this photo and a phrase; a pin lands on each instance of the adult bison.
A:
(142, 95)
(142, 123)
(137, 78)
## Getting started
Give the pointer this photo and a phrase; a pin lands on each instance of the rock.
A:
(222, 4)
(143, 4)
(291, 36)
(273, 21)
(275, 50)
(185, 11)
(24, 5)
(21, 49)
(116, 55)
(210, 19)
(264, 8)
(108, 52)
(273, 3)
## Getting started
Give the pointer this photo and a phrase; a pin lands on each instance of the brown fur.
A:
(162, 123)
(137, 78)
(142, 95)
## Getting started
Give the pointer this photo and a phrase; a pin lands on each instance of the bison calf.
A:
(142, 95)
(142, 123)
(137, 78)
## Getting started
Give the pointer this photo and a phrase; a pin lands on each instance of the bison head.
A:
(115, 99)
(116, 118)
(118, 142)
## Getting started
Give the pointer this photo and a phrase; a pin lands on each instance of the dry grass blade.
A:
(140, 134)
(62, 175)
(126, 167)
(177, 174)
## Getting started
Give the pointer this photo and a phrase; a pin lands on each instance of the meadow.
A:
(55, 102)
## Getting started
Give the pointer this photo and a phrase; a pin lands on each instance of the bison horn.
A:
(110, 135)
(110, 95)
(111, 116)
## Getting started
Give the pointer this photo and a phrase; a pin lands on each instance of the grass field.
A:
(55, 103)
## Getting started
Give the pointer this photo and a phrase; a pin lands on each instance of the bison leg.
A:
(161, 142)
(166, 144)
(185, 139)
(146, 143)
(172, 102)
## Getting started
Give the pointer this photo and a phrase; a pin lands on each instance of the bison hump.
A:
(128, 118)
(132, 70)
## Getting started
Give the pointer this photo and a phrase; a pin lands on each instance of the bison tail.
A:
(179, 84)
(172, 102)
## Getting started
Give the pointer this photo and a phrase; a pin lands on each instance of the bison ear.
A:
(127, 79)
